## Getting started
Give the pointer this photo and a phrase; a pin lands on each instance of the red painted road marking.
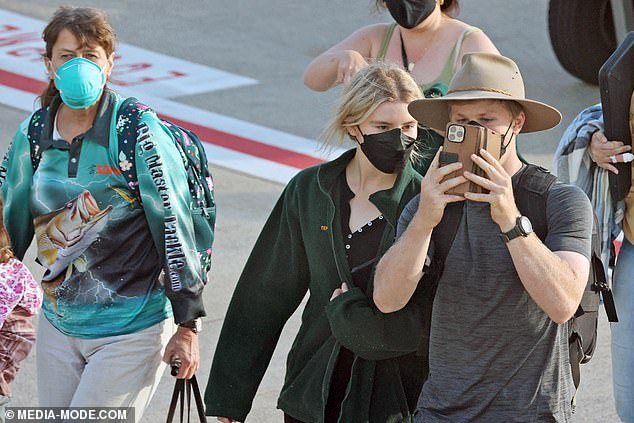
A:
(248, 146)
(206, 134)
(19, 82)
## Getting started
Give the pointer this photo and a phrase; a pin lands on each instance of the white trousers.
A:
(115, 371)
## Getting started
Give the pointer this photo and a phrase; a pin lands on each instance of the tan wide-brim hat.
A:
(485, 76)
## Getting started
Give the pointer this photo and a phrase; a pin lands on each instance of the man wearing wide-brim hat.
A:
(498, 348)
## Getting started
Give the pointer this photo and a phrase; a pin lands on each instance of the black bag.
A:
(183, 392)
(531, 195)
(616, 85)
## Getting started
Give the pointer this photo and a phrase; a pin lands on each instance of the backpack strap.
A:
(34, 135)
(128, 117)
(531, 193)
(444, 235)
(606, 291)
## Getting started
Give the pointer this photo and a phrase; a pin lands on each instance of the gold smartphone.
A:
(462, 140)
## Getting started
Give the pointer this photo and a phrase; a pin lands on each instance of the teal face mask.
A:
(79, 82)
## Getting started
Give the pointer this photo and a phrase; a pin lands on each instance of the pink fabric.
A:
(17, 288)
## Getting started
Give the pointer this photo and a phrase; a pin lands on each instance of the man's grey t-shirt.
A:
(494, 354)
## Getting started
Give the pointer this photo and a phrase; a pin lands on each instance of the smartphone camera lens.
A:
(451, 135)
(455, 133)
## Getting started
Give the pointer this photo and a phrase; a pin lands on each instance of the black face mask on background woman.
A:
(410, 13)
(388, 151)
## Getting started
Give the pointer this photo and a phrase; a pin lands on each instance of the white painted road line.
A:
(21, 50)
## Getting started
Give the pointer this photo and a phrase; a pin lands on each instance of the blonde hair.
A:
(91, 28)
(6, 253)
(372, 86)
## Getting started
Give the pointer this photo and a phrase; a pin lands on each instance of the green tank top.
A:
(439, 86)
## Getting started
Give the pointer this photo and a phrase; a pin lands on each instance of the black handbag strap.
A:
(189, 385)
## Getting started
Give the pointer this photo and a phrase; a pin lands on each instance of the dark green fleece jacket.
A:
(301, 250)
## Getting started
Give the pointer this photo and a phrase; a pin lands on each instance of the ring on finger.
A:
(612, 158)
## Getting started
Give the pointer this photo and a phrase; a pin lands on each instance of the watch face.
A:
(525, 225)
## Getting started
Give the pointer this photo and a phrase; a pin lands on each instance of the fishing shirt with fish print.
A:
(111, 263)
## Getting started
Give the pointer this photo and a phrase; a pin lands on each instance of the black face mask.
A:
(410, 13)
(388, 151)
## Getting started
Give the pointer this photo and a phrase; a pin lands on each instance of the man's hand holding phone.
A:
(433, 189)
(463, 140)
(498, 182)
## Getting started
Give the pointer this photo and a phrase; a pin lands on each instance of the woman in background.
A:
(425, 39)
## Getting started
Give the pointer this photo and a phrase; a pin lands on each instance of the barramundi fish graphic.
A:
(64, 234)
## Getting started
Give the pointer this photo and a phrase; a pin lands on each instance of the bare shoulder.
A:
(478, 41)
(373, 33)
(475, 40)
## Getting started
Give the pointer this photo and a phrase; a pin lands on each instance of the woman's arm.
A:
(165, 197)
(342, 61)
(373, 335)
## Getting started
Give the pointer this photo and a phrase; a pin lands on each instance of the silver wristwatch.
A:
(523, 227)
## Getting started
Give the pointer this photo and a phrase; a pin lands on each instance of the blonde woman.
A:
(332, 223)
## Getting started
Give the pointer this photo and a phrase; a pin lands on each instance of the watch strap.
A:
(195, 325)
(514, 232)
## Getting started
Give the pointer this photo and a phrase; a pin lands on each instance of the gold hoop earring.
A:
(441, 2)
